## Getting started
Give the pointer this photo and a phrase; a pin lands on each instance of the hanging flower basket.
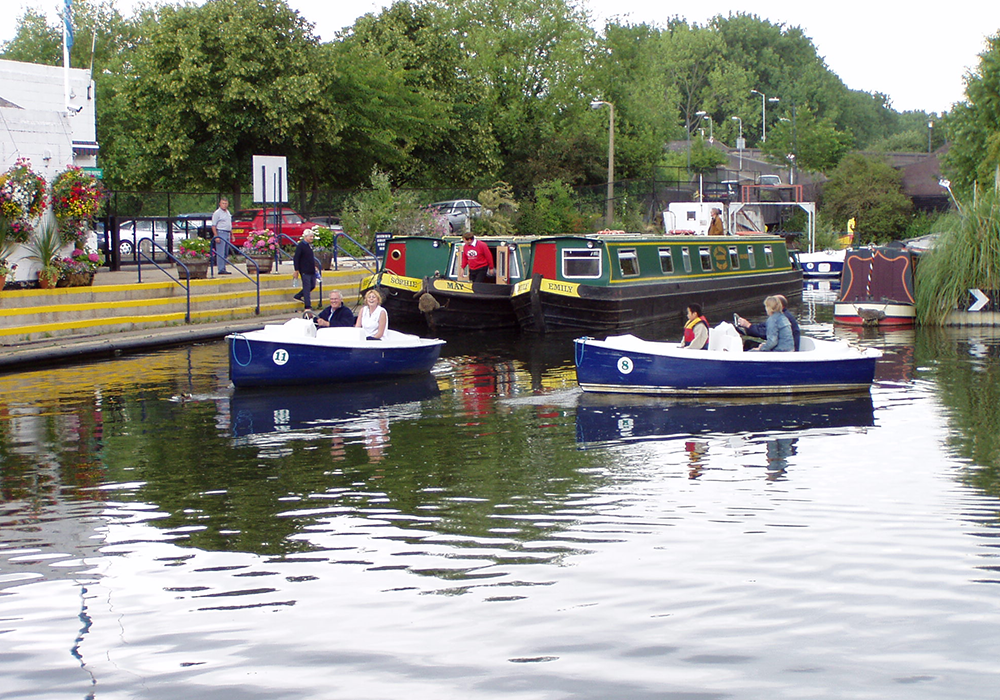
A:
(22, 198)
(76, 197)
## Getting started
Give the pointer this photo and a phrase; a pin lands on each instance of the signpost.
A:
(981, 300)
(270, 184)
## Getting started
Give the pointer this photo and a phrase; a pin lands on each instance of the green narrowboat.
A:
(419, 281)
(604, 283)
(400, 278)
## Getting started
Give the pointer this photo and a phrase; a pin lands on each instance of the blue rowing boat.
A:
(296, 352)
(630, 365)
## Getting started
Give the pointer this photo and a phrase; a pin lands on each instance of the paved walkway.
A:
(85, 346)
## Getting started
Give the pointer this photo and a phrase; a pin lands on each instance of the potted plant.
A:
(76, 197)
(323, 245)
(77, 269)
(261, 245)
(44, 248)
(6, 270)
(22, 198)
(193, 252)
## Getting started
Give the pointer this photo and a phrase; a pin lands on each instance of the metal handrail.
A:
(177, 261)
(363, 263)
(234, 249)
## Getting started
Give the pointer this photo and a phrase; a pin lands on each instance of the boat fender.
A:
(427, 303)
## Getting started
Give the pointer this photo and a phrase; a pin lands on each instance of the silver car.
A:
(458, 211)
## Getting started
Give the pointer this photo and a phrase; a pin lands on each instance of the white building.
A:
(37, 123)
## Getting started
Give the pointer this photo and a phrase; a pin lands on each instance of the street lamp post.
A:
(609, 217)
(739, 141)
(763, 112)
(930, 132)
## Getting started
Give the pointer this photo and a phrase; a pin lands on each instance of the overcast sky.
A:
(917, 54)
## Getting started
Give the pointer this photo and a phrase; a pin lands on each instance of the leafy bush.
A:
(965, 256)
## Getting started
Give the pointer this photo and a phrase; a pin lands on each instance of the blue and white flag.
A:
(68, 24)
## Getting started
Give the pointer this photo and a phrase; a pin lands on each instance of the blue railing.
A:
(154, 246)
(362, 263)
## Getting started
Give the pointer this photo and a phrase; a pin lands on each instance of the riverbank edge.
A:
(68, 350)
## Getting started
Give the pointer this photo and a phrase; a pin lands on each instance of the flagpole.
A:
(67, 45)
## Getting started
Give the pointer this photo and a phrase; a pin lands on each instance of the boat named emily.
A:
(614, 281)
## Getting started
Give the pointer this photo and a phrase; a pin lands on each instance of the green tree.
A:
(440, 107)
(868, 189)
(816, 144)
(974, 124)
(531, 59)
(208, 87)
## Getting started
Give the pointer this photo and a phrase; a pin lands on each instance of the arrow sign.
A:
(981, 300)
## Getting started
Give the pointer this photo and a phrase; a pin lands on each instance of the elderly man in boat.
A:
(759, 330)
(336, 315)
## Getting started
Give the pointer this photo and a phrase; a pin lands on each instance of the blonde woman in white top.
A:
(373, 319)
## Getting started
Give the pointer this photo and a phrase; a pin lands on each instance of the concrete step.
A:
(29, 315)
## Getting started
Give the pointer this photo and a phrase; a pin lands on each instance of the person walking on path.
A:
(222, 228)
(304, 264)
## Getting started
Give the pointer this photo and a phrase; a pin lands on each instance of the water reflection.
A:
(283, 409)
(161, 534)
(602, 418)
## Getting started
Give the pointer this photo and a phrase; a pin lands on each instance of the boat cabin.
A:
(601, 261)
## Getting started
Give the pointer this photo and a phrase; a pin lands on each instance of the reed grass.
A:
(965, 256)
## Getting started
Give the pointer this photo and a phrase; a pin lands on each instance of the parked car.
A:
(458, 211)
(137, 233)
(246, 220)
(194, 225)
(769, 180)
(331, 222)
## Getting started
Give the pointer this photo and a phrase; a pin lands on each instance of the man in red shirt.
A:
(476, 256)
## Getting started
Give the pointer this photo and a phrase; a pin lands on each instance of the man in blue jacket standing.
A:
(304, 264)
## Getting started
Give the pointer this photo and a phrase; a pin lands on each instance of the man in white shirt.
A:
(222, 227)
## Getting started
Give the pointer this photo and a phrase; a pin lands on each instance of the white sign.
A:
(280, 356)
(625, 365)
(981, 300)
(270, 179)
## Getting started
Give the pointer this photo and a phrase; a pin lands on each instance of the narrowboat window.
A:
(628, 262)
(501, 262)
(751, 260)
(666, 261)
(769, 256)
(456, 260)
(734, 258)
(706, 258)
(686, 256)
(580, 263)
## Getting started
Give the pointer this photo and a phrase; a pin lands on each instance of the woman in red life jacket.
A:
(695, 330)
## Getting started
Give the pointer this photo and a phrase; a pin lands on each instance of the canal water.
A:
(490, 532)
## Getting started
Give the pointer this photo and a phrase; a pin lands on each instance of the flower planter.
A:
(197, 268)
(76, 279)
(325, 258)
(264, 263)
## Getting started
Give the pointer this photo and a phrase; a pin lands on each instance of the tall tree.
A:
(869, 190)
(814, 144)
(452, 141)
(208, 87)
(974, 124)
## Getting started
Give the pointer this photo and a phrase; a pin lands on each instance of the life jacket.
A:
(689, 329)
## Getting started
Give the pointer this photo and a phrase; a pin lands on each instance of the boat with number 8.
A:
(630, 365)
(296, 352)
